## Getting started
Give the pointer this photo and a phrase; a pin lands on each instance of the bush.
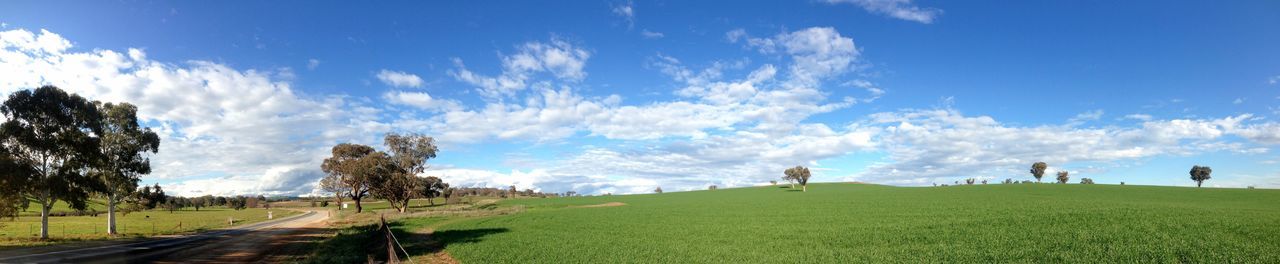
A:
(1086, 181)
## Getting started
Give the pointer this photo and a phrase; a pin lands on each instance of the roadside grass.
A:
(24, 230)
(859, 223)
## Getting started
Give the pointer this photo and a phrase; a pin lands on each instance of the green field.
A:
(855, 223)
(25, 229)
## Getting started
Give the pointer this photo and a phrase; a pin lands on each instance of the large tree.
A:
(1200, 174)
(799, 174)
(1038, 169)
(346, 168)
(55, 134)
(124, 145)
(409, 155)
(432, 187)
(332, 183)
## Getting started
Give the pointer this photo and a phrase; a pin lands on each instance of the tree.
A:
(799, 174)
(409, 155)
(1037, 170)
(1086, 181)
(447, 194)
(1063, 176)
(55, 135)
(790, 180)
(969, 181)
(1200, 174)
(251, 202)
(332, 183)
(346, 172)
(658, 190)
(12, 180)
(124, 145)
(433, 187)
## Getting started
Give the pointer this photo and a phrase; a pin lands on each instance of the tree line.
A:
(357, 172)
(60, 147)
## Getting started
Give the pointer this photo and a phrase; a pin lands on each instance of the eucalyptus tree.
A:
(55, 136)
(1038, 169)
(409, 155)
(347, 173)
(1063, 176)
(432, 187)
(1200, 174)
(799, 174)
(124, 145)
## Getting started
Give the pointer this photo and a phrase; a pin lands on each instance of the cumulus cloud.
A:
(421, 100)
(925, 146)
(399, 79)
(558, 58)
(214, 121)
(627, 13)
(900, 9)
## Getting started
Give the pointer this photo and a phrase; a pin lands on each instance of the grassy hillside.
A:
(852, 223)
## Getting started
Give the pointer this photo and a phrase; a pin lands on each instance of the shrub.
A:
(1086, 181)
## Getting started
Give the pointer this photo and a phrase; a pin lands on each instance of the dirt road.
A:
(272, 241)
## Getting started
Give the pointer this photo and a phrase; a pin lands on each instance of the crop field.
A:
(24, 229)
(856, 223)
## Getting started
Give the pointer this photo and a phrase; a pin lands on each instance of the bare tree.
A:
(1037, 170)
(1063, 176)
(332, 183)
(1200, 174)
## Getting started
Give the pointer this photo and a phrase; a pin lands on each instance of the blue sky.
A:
(625, 96)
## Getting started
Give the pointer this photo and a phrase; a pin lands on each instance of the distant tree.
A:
(658, 190)
(711, 188)
(448, 192)
(1200, 174)
(969, 181)
(53, 136)
(799, 174)
(790, 178)
(1086, 181)
(173, 204)
(251, 202)
(774, 183)
(409, 155)
(1063, 176)
(984, 181)
(197, 203)
(432, 187)
(1037, 170)
(124, 145)
(348, 171)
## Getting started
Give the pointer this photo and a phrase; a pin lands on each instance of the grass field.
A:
(855, 223)
(24, 230)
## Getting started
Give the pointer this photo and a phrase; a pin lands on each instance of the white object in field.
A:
(268, 215)
(344, 205)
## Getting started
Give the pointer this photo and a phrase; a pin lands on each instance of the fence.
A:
(99, 228)
(386, 238)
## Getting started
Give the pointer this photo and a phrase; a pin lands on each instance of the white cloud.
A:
(421, 100)
(817, 53)
(1273, 80)
(214, 121)
(559, 58)
(900, 9)
(1139, 117)
(626, 12)
(312, 64)
(925, 146)
(1238, 101)
(399, 79)
(651, 34)
(1085, 117)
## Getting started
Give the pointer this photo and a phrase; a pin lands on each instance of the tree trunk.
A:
(430, 201)
(111, 214)
(358, 208)
(804, 187)
(793, 185)
(44, 219)
(1198, 183)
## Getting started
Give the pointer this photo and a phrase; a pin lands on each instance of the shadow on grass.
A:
(359, 244)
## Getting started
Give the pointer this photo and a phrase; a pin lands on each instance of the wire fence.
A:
(388, 239)
(96, 229)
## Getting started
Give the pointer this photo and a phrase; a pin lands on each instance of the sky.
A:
(626, 96)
